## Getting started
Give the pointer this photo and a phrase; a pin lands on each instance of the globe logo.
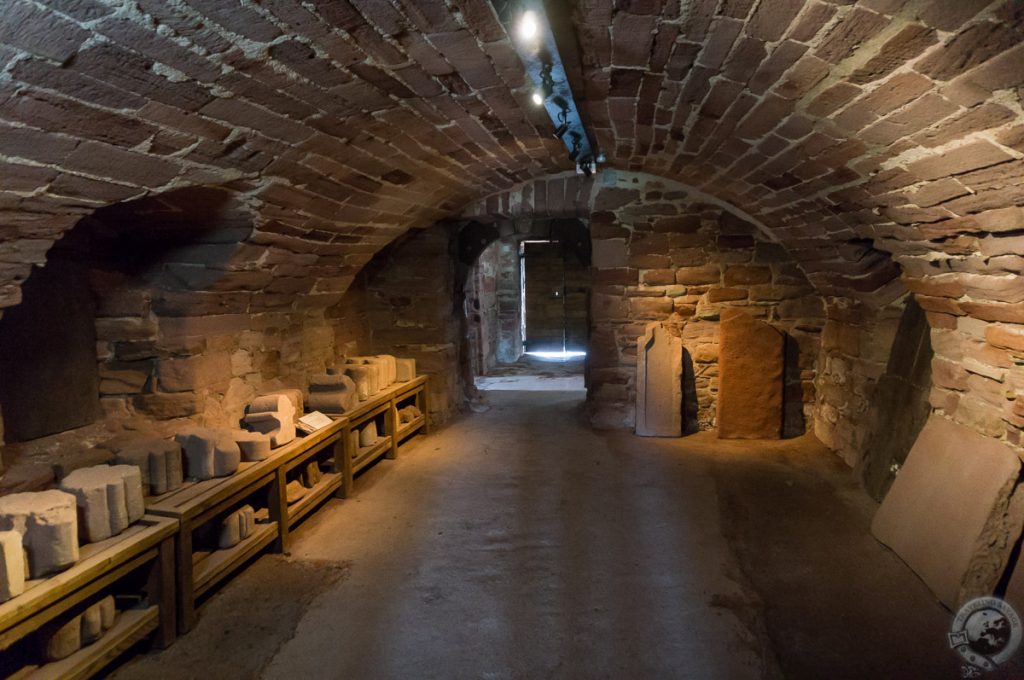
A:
(986, 632)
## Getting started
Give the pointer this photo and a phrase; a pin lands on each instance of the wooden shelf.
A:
(99, 564)
(371, 453)
(196, 498)
(411, 427)
(329, 482)
(132, 626)
(384, 398)
(209, 567)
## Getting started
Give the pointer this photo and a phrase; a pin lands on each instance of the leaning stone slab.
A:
(209, 452)
(750, 378)
(48, 524)
(659, 383)
(947, 514)
(405, 369)
(12, 565)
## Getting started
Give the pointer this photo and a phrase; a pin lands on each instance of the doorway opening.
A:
(528, 298)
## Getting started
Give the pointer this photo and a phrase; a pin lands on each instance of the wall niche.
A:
(49, 380)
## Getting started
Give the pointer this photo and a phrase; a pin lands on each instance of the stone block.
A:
(253, 445)
(405, 370)
(108, 612)
(659, 383)
(332, 393)
(750, 382)
(946, 514)
(92, 624)
(294, 395)
(209, 452)
(272, 415)
(109, 499)
(63, 641)
(236, 527)
(371, 375)
(360, 375)
(12, 565)
(294, 491)
(368, 434)
(159, 462)
(48, 524)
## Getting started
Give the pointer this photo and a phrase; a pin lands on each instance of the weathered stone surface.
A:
(48, 524)
(659, 383)
(12, 565)
(109, 499)
(159, 461)
(209, 452)
(360, 375)
(294, 491)
(62, 641)
(333, 394)
(272, 415)
(253, 445)
(946, 513)
(405, 369)
(750, 379)
(236, 527)
(294, 395)
(368, 434)
(92, 624)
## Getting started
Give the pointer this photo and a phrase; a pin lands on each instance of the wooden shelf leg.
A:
(343, 464)
(161, 591)
(186, 584)
(391, 428)
(424, 399)
(278, 506)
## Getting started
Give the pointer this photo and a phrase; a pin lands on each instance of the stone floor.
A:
(533, 373)
(519, 543)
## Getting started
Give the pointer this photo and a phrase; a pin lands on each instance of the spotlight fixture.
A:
(528, 26)
(538, 98)
(577, 146)
(561, 130)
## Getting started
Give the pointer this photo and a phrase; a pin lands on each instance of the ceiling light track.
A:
(526, 21)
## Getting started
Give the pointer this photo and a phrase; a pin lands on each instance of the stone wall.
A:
(662, 255)
(663, 252)
(411, 307)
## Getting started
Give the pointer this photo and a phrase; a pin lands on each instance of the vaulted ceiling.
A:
(851, 129)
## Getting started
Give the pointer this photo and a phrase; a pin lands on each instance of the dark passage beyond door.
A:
(556, 286)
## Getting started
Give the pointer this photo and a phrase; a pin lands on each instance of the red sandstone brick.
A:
(847, 35)
(898, 50)
(979, 154)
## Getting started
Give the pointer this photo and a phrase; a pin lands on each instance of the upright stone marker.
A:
(659, 383)
(750, 378)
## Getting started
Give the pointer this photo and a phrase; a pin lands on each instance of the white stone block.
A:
(12, 565)
(48, 524)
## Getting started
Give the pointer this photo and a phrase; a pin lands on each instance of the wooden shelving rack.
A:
(146, 545)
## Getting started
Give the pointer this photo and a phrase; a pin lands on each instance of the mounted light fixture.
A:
(536, 40)
(528, 26)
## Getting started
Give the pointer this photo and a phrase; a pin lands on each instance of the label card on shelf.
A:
(311, 422)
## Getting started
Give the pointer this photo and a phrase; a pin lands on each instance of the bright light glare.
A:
(528, 26)
(537, 98)
(564, 355)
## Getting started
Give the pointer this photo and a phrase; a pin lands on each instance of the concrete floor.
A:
(519, 543)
